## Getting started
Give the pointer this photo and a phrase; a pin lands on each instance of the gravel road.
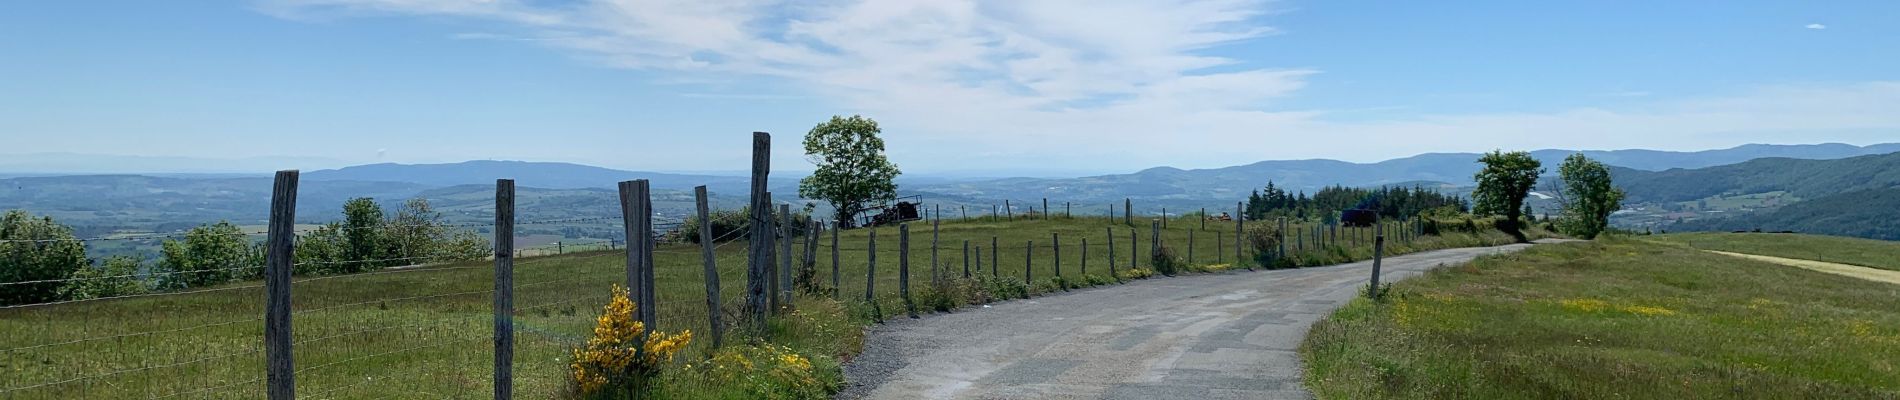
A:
(1230, 335)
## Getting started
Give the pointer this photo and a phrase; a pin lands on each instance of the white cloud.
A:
(1114, 84)
(1816, 26)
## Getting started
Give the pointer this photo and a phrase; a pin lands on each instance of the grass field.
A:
(425, 332)
(1615, 318)
(1845, 250)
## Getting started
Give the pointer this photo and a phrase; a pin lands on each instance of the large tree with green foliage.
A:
(35, 254)
(851, 165)
(1587, 195)
(1503, 183)
(209, 255)
(362, 235)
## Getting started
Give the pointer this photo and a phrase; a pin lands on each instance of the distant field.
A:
(1614, 318)
(1863, 252)
(423, 333)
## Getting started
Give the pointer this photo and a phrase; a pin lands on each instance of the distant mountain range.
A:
(1449, 169)
(136, 202)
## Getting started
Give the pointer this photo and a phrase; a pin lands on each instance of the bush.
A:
(117, 277)
(55, 256)
(1265, 241)
(1003, 288)
(614, 363)
(1134, 273)
(753, 371)
(1165, 261)
(209, 255)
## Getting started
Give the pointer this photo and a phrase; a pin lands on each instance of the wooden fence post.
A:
(649, 303)
(504, 288)
(1111, 253)
(785, 229)
(636, 216)
(870, 270)
(1065, 210)
(835, 288)
(1055, 246)
(757, 246)
(280, 258)
(704, 212)
(1128, 211)
(1084, 272)
(936, 274)
(1378, 254)
(903, 269)
(770, 256)
(1204, 221)
(1045, 208)
(1009, 211)
(1190, 246)
(994, 251)
(1240, 216)
(966, 258)
(1164, 217)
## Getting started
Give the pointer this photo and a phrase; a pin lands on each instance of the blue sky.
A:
(959, 86)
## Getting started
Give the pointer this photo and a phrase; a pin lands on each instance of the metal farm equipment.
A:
(902, 209)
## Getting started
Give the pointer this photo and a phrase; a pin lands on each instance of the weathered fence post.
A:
(1045, 209)
(1164, 217)
(1111, 253)
(834, 260)
(1134, 249)
(1009, 211)
(785, 254)
(966, 258)
(1378, 254)
(280, 257)
(1204, 221)
(1240, 214)
(1128, 211)
(759, 245)
(936, 274)
(559, 248)
(1083, 273)
(870, 276)
(1190, 247)
(993, 213)
(903, 269)
(704, 212)
(636, 208)
(504, 288)
(1065, 210)
(1055, 246)
(811, 252)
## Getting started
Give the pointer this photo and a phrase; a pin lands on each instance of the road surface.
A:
(1230, 335)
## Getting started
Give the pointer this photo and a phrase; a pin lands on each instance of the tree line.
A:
(42, 261)
(1324, 205)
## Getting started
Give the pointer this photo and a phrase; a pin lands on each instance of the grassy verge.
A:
(1835, 249)
(1614, 318)
(425, 332)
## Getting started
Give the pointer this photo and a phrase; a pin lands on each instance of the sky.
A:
(959, 87)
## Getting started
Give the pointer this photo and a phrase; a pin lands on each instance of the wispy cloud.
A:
(1134, 79)
(1816, 26)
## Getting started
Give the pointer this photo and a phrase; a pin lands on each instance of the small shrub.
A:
(1135, 273)
(754, 371)
(614, 364)
(1166, 262)
(1265, 241)
(1004, 288)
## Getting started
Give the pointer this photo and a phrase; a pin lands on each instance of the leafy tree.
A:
(1502, 185)
(35, 249)
(362, 235)
(851, 165)
(209, 255)
(1588, 196)
(118, 277)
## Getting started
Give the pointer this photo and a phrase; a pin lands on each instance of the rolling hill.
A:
(1802, 178)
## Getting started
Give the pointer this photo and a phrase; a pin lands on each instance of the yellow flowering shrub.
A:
(1135, 273)
(615, 359)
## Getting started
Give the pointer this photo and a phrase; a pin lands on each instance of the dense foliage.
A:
(1587, 196)
(851, 167)
(1390, 202)
(364, 240)
(209, 255)
(1503, 183)
(35, 250)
